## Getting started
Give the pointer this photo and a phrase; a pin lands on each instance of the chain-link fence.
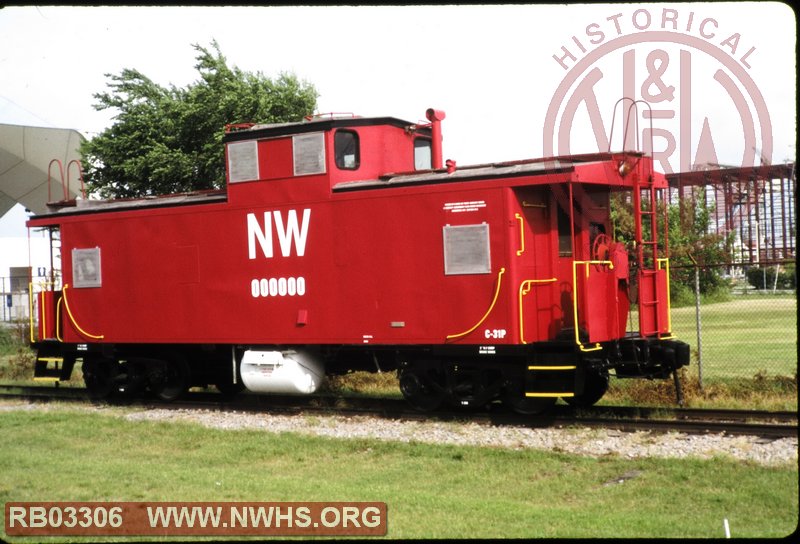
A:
(14, 299)
(748, 328)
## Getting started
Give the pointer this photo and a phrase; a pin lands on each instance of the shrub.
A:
(16, 357)
(787, 277)
(681, 295)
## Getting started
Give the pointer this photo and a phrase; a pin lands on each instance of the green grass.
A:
(432, 491)
(759, 392)
(371, 384)
(16, 358)
(743, 336)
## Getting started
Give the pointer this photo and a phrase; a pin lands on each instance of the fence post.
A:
(699, 325)
(775, 285)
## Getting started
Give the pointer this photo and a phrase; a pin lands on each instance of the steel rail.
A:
(766, 424)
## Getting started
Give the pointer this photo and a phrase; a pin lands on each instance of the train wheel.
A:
(418, 392)
(223, 381)
(99, 376)
(131, 378)
(169, 379)
(595, 386)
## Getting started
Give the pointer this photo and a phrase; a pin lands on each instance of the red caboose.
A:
(342, 243)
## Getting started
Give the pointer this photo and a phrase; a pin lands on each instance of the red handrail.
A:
(80, 176)
(61, 171)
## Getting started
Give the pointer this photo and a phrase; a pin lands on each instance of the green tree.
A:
(169, 140)
(690, 242)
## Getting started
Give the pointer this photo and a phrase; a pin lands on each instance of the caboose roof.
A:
(273, 130)
(87, 206)
(529, 167)
(467, 173)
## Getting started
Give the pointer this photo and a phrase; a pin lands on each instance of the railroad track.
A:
(771, 425)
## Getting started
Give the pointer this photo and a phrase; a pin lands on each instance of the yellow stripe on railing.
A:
(669, 302)
(575, 301)
(72, 318)
(491, 307)
(30, 309)
(521, 233)
(58, 320)
(43, 312)
(524, 289)
(44, 285)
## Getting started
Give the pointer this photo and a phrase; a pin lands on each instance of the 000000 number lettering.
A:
(278, 287)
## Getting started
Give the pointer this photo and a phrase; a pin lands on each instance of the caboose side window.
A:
(466, 249)
(86, 271)
(346, 150)
(309, 153)
(422, 154)
(243, 161)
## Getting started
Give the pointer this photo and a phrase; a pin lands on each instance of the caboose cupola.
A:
(321, 152)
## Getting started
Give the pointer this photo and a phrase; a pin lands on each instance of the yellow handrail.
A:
(586, 264)
(43, 310)
(72, 318)
(491, 307)
(58, 321)
(30, 310)
(524, 289)
(669, 304)
(521, 233)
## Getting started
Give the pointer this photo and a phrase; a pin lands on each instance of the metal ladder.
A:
(653, 273)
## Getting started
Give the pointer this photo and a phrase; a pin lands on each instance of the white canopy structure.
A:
(26, 154)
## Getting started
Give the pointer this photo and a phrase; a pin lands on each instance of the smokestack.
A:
(436, 117)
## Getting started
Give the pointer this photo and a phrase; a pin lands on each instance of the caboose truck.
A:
(343, 243)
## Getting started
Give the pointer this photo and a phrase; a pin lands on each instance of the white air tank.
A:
(292, 372)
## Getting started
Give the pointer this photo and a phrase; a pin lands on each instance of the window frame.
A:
(429, 146)
(338, 156)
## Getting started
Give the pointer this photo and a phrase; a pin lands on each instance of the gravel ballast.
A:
(573, 440)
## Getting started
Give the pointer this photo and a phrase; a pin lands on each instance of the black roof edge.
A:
(133, 204)
(286, 129)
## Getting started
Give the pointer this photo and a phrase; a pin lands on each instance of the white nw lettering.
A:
(289, 233)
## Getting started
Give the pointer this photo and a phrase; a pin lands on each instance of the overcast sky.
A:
(490, 68)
